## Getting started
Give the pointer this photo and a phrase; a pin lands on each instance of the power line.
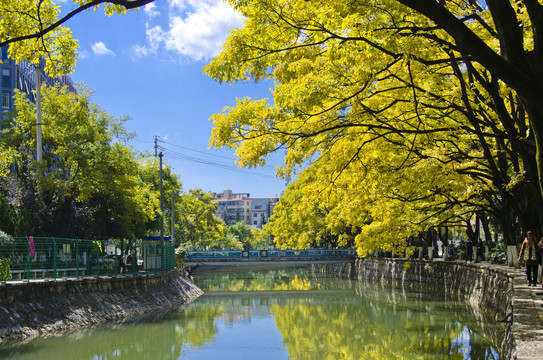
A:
(173, 154)
(230, 167)
(198, 151)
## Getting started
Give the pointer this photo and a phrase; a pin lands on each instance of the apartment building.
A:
(234, 207)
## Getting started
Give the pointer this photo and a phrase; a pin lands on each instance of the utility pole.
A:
(38, 114)
(173, 215)
(161, 200)
(156, 145)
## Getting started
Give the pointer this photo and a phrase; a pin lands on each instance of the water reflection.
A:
(286, 314)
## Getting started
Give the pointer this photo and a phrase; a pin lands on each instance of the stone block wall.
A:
(29, 309)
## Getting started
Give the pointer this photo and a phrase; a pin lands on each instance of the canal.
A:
(286, 314)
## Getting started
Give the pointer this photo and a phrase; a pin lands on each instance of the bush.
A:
(5, 269)
(6, 239)
(452, 251)
(498, 254)
(180, 255)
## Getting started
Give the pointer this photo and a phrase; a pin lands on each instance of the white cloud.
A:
(151, 10)
(99, 48)
(83, 54)
(196, 29)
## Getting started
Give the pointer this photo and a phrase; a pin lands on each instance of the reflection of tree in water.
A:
(367, 327)
(263, 280)
(195, 325)
(160, 338)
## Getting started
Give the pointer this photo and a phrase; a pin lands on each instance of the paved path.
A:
(527, 317)
(527, 326)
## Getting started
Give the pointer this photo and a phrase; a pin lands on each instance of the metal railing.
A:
(41, 257)
(233, 255)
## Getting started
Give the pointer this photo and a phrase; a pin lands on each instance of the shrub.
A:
(5, 269)
(180, 255)
(498, 255)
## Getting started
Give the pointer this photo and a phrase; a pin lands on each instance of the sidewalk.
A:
(527, 325)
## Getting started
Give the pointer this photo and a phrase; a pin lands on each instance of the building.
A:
(236, 207)
(22, 76)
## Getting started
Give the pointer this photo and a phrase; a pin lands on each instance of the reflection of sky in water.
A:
(247, 318)
(253, 338)
(463, 342)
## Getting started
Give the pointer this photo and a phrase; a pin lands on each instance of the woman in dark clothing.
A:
(469, 252)
(527, 251)
(480, 250)
(539, 255)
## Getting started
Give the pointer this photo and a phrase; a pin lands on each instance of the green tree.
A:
(150, 174)
(244, 233)
(87, 184)
(198, 226)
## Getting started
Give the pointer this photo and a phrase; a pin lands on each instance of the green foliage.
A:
(88, 183)
(180, 255)
(198, 228)
(5, 270)
(6, 239)
(498, 253)
(149, 174)
(461, 250)
(247, 235)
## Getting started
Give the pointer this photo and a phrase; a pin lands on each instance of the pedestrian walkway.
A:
(527, 317)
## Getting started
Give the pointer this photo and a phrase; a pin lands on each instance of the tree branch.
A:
(127, 4)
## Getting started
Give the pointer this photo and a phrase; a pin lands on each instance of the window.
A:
(6, 77)
(5, 58)
(6, 100)
(255, 214)
(255, 222)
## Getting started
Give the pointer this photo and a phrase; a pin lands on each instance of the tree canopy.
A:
(198, 228)
(34, 30)
(89, 181)
(399, 115)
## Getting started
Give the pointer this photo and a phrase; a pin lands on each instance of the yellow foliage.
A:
(386, 131)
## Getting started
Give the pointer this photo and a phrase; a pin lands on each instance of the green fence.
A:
(41, 258)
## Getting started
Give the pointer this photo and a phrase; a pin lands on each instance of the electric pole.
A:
(161, 200)
(38, 114)
(156, 145)
(173, 215)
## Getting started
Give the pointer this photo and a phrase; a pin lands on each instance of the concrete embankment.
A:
(29, 309)
(496, 289)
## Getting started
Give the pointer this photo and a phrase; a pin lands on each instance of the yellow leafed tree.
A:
(392, 124)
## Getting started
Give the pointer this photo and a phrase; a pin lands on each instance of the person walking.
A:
(527, 252)
(539, 256)
(469, 251)
(480, 250)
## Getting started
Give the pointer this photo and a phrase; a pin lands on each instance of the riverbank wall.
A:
(495, 289)
(36, 308)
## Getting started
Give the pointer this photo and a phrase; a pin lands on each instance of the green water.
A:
(286, 314)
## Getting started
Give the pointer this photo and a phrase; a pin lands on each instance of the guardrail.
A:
(233, 255)
(41, 257)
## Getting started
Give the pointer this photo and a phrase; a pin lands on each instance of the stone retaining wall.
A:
(29, 309)
(497, 289)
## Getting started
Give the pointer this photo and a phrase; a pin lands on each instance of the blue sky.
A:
(147, 64)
